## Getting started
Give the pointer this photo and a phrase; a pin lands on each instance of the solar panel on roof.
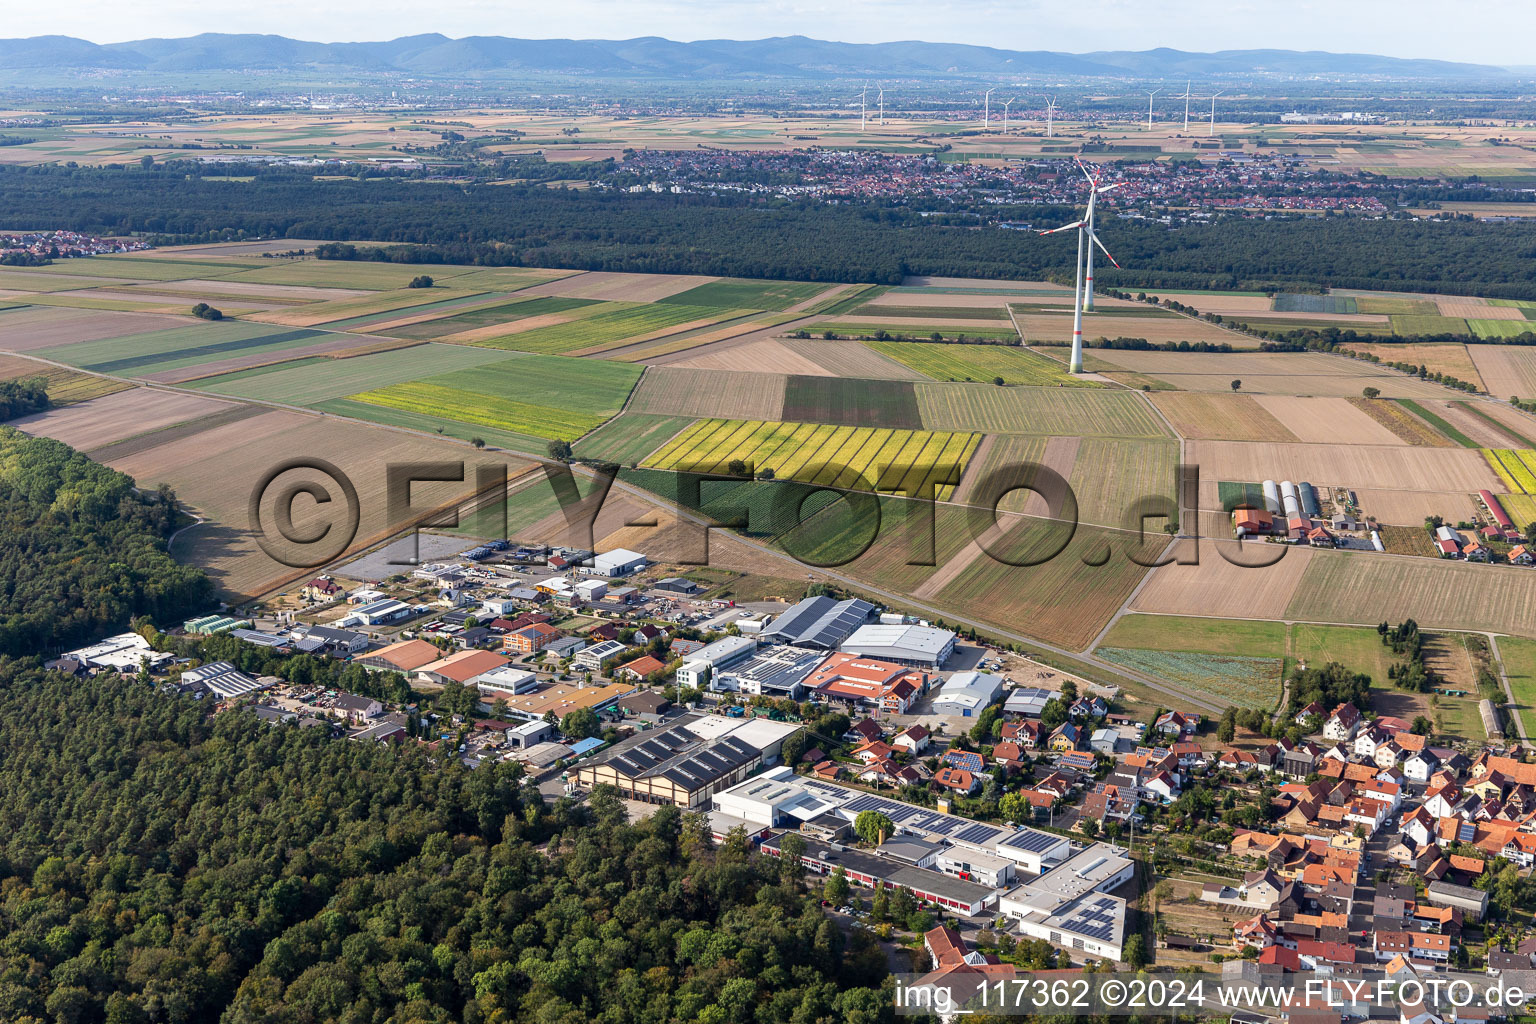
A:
(1032, 840)
(976, 834)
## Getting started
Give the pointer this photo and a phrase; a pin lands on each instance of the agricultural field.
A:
(793, 355)
(1219, 588)
(1327, 420)
(547, 397)
(1019, 410)
(1401, 424)
(155, 352)
(1358, 648)
(862, 458)
(1057, 327)
(1272, 373)
(489, 311)
(630, 437)
(1519, 658)
(1477, 420)
(1290, 302)
(32, 328)
(1394, 305)
(687, 391)
(314, 379)
(1507, 370)
(742, 293)
(1447, 358)
(1501, 328)
(65, 386)
(101, 421)
(1436, 422)
(1384, 467)
(357, 305)
(1245, 682)
(379, 277)
(1521, 508)
(617, 286)
(855, 403)
(1415, 325)
(1516, 468)
(1236, 637)
(852, 327)
(609, 325)
(1218, 417)
(1344, 586)
(984, 363)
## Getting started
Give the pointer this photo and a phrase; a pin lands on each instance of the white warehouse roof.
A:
(901, 643)
(970, 691)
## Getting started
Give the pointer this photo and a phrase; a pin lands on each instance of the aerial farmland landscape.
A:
(761, 529)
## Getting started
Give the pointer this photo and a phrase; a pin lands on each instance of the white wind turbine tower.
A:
(1050, 117)
(986, 117)
(881, 87)
(1212, 130)
(1086, 239)
(1186, 108)
(1151, 94)
(1005, 113)
(862, 94)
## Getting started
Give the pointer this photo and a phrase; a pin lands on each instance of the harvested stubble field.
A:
(869, 328)
(1021, 410)
(863, 458)
(614, 286)
(851, 359)
(1405, 507)
(1472, 421)
(1218, 417)
(1514, 421)
(1218, 588)
(1273, 373)
(309, 381)
(1245, 682)
(983, 363)
(1506, 370)
(764, 356)
(544, 396)
(1399, 423)
(1397, 467)
(855, 403)
(1393, 305)
(378, 277)
(894, 302)
(1425, 414)
(1238, 637)
(1156, 329)
(33, 328)
(360, 304)
(112, 417)
(957, 315)
(65, 387)
(685, 391)
(1327, 420)
(1473, 308)
(1364, 588)
(1223, 303)
(1063, 600)
(1448, 358)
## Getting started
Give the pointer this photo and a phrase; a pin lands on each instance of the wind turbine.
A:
(1186, 108)
(1213, 115)
(986, 117)
(1050, 117)
(862, 94)
(881, 87)
(1005, 113)
(1151, 94)
(1086, 239)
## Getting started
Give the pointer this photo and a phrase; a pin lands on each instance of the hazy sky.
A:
(1459, 30)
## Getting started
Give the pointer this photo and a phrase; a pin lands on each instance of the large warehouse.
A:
(967, 694)
(819, 622)
(919, 646)
(688, 763)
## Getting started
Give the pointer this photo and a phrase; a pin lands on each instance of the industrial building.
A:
(819, 622)
(920, 646)
(863, 682)
(122, 653)
(505, 680)
(460, 667)
(1028, 701)
(224, 681)
(967, 694)
(702, 663)
(618, 562)
(872, 870)
(1070, 906)
(776, 672)
(594, 656)
(689, 762)
(564, 698)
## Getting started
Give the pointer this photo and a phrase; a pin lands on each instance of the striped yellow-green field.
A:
(1516, 467)
(862, 458)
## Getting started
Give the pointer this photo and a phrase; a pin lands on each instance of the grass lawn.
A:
(1519, 655)
(1357, 648)
(1241, 637)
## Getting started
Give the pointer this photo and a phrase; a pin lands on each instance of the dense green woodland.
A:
(83, 550)
(590, 229)
(159, 866)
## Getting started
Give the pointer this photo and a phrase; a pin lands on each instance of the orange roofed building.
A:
(868, 682)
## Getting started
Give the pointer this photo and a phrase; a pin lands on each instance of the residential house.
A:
(1343, 723)
(957, 779)
(914, 739)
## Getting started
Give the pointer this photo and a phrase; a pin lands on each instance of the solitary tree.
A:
(560, 450)
(1237, 385)
(1371, 392)
(420, 281)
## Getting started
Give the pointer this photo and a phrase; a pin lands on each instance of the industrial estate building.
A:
(921, 646)
(819, 622)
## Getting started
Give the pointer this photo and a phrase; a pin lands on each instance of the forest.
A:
(596, 229)
(84, 551)
(158, 865)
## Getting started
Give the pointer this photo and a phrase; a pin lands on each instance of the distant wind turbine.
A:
(1186, 108)
(882, 102)
(1151, 94)
(1050, 117)
(986, 117)
(1005, 113)
(1086, 239)
(862, 94)
(1213, 115)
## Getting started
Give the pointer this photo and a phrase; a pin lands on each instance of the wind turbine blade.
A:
(1064, 227)
(1105, 251)
(1110, 188)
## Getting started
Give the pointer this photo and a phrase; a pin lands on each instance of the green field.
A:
(933, 312)
(854, 403)
(432, 424)
(119, 268)
(848, 300)
(745, 293)
(319, 379)
(1060, 411)
(609, 324)
(1519, 657)
(860, 458)
(1409, 325)
(1246, 682)
(1516, 467)
(1501, 328)
(1234, 494)
(1357, 648)
(521, 509)
(547, 396)
(180, 347)
(1243, 638)
(346, 274)
(1291, 302)
(1522, 509)
(1013, 363)
(489, 316)
(911, 330)
(629, 437)
(441, 307)
(1391, 305)
(1525, 306)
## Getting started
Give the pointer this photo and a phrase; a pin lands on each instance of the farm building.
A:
(698, 666)
(819, 622)
(1308, 495)
(1252, 522)
(1496, 509)
(967, 694)
(1490, 715)
(906, 645)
